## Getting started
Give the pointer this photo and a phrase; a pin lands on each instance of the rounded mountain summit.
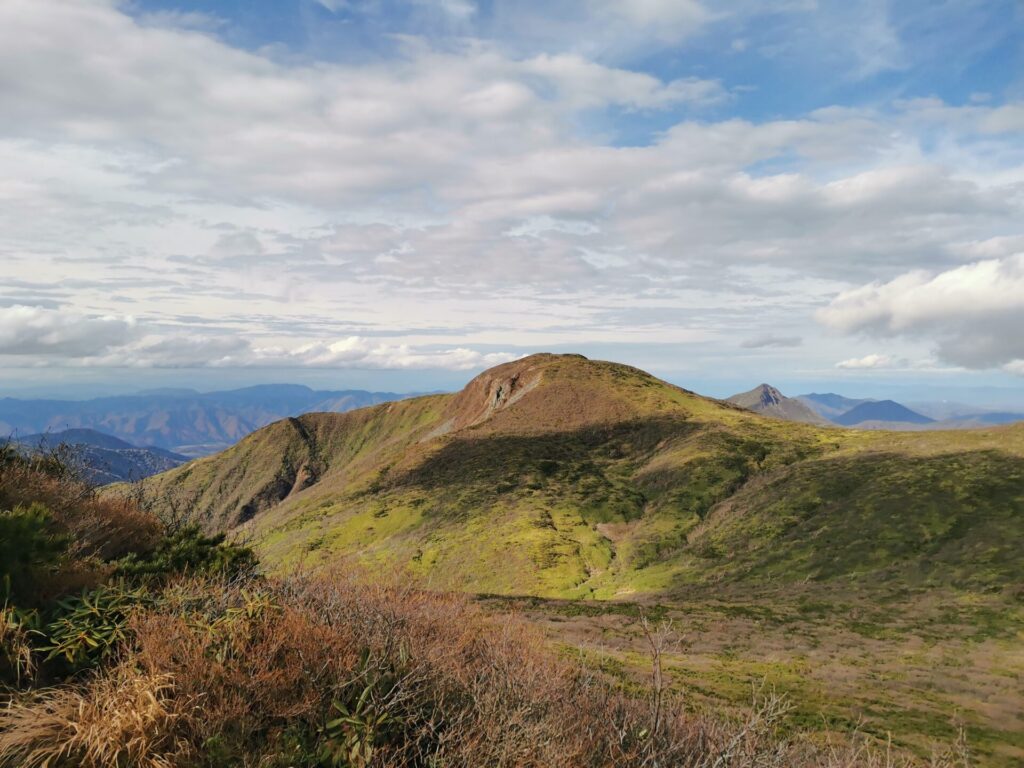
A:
(559, 476)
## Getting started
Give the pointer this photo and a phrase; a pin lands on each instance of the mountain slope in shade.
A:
(183, 421)
(829, 404)
(767, 400)
(103, 458)
(564, 477)
(881, 411)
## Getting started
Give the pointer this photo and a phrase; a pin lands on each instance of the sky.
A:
(396, 195)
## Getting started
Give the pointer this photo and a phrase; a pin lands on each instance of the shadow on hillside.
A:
(498, 459)
(954, 519)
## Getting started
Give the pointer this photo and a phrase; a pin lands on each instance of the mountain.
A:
(992, 418)
(829, 404)
(961, 416)
(767, 400)
(181, 420)
(883, 411)
(564, 477)
(103, 458)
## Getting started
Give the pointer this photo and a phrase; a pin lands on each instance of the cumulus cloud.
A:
(465, 193)
(178, 351)
(46, 337)
(359, 352)
(39, 331)
(973, 313)
(868, 361)
(584, 83)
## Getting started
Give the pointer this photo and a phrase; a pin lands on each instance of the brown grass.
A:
(100, 527)
(121, 718)
(97, 528)
(251, 674)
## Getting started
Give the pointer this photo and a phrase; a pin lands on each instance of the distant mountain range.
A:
(831, 408)
(768, 400)
(829, 404)
(102, 458)
(181, 420)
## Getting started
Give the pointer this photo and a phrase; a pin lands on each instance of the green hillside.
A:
(872, 576)
(563, 477)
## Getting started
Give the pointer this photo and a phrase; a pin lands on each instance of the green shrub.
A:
(29, 548)
(88, 628)
(189, 551)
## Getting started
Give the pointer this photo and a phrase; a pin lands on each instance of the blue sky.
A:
(394, 195)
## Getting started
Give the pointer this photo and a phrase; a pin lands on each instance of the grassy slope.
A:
(600, 480)
(888, 562)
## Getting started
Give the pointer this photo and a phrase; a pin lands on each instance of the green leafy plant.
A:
(188, 550)
(29, 547)
(363, 722)
(90, 627)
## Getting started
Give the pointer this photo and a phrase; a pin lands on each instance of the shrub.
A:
(339, 671)
(29, 549)
(188, 550)
(91, 627)
(18, 628)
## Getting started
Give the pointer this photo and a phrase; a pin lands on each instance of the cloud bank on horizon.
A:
(450, 184)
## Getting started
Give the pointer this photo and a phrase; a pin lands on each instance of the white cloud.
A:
(664, 19)
(973, 313)
(868, 361)
(456, 195)
(584, 84)
(358, 352)
(181, 351)
(37, 331)
(36, 336)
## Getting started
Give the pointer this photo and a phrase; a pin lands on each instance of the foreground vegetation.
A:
(126, 641)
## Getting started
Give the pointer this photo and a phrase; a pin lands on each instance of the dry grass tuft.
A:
(122, 718)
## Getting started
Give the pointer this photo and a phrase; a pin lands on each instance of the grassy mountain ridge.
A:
(564, 477)
(873, 576)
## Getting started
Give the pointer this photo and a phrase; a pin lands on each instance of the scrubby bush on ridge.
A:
(74, 565)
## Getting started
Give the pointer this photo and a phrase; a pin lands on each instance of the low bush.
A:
(30, 549)
(74, 566)
(91, 627)
(189, 550)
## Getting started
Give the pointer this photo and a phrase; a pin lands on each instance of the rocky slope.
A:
(767, 400)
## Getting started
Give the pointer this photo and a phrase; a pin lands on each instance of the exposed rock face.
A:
(767, 400)
(494, 390)
(770, 396)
